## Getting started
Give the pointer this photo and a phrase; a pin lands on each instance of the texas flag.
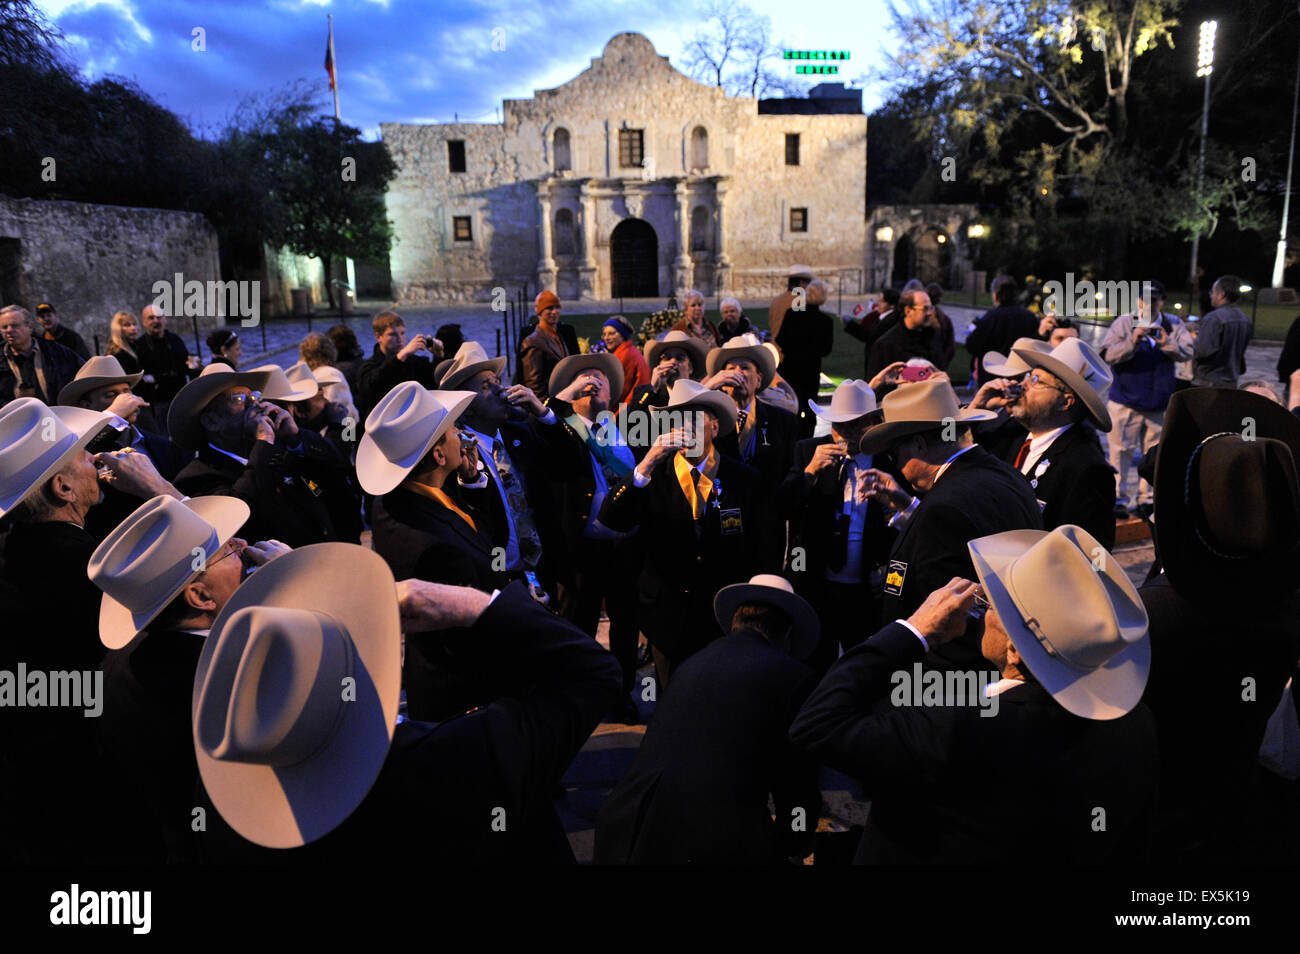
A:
(329, 58)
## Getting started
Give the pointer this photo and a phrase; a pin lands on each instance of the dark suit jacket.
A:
(46, 562)
(60, 365)
(1077, 486)
(166, 361)
(276, 485)
(420, 538)
(697, 791)
(997, 330)
(379, 374)
(436, 797)
(771, 451)
(687, 562)
(977, 495)
(953, 785)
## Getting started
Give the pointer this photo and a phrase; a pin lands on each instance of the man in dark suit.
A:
(999, 327)
(163, 354)
(697, 513)
(31, 366)
(677, 356)
(880, 319)
(916, 335)
(394, 360)
(965, 493)
(697, 792)
(1049, 764)
(1057, 409)
(294, 481)
(839, 539)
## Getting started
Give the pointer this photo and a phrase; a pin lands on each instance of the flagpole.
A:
(336, 69)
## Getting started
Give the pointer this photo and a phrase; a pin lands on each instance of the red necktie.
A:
(1024, 452)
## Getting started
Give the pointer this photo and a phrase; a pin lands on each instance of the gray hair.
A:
(1262, 384)
(692, 295)
(729, 301)
(19, 309)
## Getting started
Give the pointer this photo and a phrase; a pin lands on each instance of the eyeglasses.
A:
(981, 605)
(925, 308)
(1034, 380)
(231, 548)
(244, 400)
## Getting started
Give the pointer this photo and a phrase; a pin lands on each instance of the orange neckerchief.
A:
(440, 495)
(696, 497)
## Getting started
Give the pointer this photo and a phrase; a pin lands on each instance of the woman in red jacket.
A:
(617, 335)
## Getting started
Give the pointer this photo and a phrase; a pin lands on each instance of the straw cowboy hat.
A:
(300, 382)
(1227, 503)
(771, 590)
(469, 361)
(915, 407)
(401, 429)
(852, 399)
(98, 372)
(183, 415)
(37, 441)
(744, 346)
(296, 692)
(154, 554)
(683, 342)
(1084, 372)
(692, 394)
(1073, 615)
(1002, 366)
(567, 369)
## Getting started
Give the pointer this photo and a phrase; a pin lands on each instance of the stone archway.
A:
(932, 256)
(634, 260)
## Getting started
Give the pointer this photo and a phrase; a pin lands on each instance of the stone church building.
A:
(631, 180)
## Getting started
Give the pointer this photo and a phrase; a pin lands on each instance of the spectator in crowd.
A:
(694, 323)
(839, 529)
(1262, 388)
(370, 792)
(1289, 360)
(946, 333)
(226, 348)
(546, 346)
(1054, 329)
(451, 337)
(32, 367)
(351, 357)
(965, 493)
(568, 336)
(163, 355)
(124, 332)
(56, 331)
(914, 336)
(698, 518)
(1227, 518)
(1061, 733)
(734, 321)
(321, 356)
(1143, 349)
(294, 481)
(1221, 337)
(599, 565)
(999, 327)
(394, 360)
(618, 336)
(719, 746)
(879, 319)
(797, 277)
(806, 335)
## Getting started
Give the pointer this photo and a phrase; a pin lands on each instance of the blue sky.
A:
(408, 60)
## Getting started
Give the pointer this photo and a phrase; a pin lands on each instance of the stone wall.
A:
(90, 261)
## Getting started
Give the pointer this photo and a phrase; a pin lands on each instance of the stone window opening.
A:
(456, 155)
(462, 229)
(792, 149)
(699, 229)
(699, 148)
(564, 240)
(631, 148)
(560, 150)
(799, 220)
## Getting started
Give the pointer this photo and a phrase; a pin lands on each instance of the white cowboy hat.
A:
(567, 369)
(800, 271)
(1002, 366)
(154, 554)
(744, 346)
(852, 399)
(771, 590)
(302, 384)
(296, 692)
(684, 394)
(98, 372)
(1073, 615)
(183, 416)
(683, 342)
(915, 407)
(401, 429)
(470, 359)
(1084, 372)
(37, 441)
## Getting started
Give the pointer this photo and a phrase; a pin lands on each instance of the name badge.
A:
(895, 577)
(731, 522)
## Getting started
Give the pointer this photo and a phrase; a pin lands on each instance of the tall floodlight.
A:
(1204, 67)
(1279, 262)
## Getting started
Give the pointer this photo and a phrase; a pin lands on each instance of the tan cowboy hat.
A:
(915, 407)
(771, 590)
(683, 342)
(567, 369)
(302, 384)
(296, 692)
(37, 441)
(401, 429)
(744, 346)
(1084, 372)
(154, 554)
(98, 372)
(1002, 366)
(470, 359)
(183, 415)
(1073, 615)
(684, 394)
(852, 399)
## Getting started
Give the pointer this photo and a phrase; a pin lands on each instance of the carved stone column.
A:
(721, 262)
(587, 244)
(683, 270)
(545, 264)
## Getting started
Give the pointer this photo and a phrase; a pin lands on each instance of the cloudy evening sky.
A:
(408, 60)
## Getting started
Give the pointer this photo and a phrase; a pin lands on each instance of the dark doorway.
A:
(904, 260)
(11, 272)
(634, 260)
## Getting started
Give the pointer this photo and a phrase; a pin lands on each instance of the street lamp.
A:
(1204, 67)
(974, 232)
(1279, 263)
